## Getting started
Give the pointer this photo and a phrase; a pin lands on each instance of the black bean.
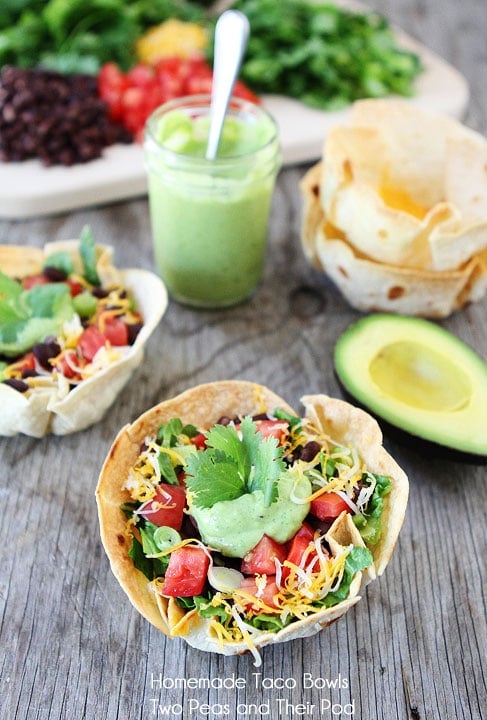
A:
(309, 451)
(57, 118)
(43, 352)
(99, 292)
(19, 385)
(54, 274)
(133, 330)
(224, 420)
(29, 373)
(260, 416)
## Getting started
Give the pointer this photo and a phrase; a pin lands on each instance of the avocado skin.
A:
(387, 327)
(415, 442)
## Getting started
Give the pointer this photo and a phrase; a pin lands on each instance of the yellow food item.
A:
(171, 38)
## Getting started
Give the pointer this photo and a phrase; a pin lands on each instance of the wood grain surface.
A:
(414, 648)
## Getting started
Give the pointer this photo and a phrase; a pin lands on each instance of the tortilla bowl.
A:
(202, 406)
(52, 406)
(369, 285)
(407, 187)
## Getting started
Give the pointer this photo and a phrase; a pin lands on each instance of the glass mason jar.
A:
(210, 217)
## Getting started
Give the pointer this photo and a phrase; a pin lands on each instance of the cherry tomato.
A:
(166, 507)
(260, 560)
(186, 572)
(328, 506)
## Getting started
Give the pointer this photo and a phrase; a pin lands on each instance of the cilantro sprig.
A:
(233, 465)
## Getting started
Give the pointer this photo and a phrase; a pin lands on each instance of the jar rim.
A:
(240, 105)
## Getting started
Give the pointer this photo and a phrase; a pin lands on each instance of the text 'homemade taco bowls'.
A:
(233, 523)
(396, 212)
(72, 331)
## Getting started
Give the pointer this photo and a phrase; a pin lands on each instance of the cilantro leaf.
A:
(225, 438)
(232, 466)
(213, 477)
(267, 467)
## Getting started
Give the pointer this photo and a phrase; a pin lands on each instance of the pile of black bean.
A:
(59, 119)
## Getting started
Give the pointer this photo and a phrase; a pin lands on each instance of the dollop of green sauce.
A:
(235, 526)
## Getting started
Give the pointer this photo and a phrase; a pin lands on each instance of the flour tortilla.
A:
(203, 406)
(53, 408)
(369, 285)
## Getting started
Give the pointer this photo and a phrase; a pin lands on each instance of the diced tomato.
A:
(141, 75)
(26, 362)
(133, 96)
(260, 560)
(249, 586)
(186, 572)
(34, 280)
(166, 507)
(199, 440)
(242, 91)
(328, 506)
(64, 367)
(271, 428)
(90, 341)
(299, 544)
(75, 287)
(116, 331)
(199, 85)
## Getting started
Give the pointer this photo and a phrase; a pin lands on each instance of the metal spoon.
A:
(231, 35)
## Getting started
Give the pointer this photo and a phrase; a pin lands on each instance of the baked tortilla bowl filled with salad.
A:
(234, 523)
(72, 331)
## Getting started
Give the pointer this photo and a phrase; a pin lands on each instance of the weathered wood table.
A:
(71, 646)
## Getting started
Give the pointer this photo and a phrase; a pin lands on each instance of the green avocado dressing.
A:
(235, 526)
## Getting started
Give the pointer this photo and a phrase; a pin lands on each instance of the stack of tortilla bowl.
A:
(396, 212)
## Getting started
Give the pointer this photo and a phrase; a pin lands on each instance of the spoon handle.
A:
(231, 35)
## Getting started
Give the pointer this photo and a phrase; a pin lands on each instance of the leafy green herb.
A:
(270, 623)
(231, 467)
(139, 559)
(213, 477)
(323, 55)
(80, 35)
(293, 420)
(369, 523)
(357, 559)
(167, 469)
(87, 250)
(150, 547)
(29, 316)
(128, 508)
(168, 434)
(208, 611)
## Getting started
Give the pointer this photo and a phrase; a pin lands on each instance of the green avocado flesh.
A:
(418, 377)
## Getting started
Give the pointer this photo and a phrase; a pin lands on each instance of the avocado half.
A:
(418, 378)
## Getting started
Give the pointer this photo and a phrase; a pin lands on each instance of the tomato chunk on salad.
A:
(329, 506)
(166, 507)
(186, 573)
(260, 560)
